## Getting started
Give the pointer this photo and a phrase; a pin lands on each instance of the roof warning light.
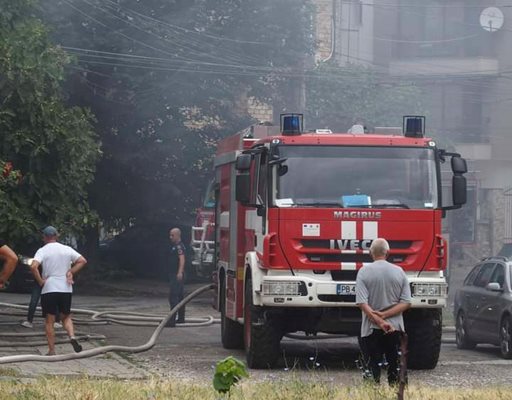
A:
(292, 124)
(414, 126)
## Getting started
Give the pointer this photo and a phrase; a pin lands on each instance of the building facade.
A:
(457, 52)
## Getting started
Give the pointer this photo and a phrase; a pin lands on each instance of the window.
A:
(338, 176)
(471, 276)
(463, 221)
(262, 179)
(483, 277)
(439, 29)
(498, 275)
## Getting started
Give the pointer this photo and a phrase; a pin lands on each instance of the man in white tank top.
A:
(59, 265)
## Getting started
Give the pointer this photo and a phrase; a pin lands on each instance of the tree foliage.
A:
(339, 97)
(165, 80)
(50, 147)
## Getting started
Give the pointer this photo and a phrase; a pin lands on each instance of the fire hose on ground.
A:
(125, 318)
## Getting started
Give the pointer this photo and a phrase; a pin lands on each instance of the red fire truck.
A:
(295, 215)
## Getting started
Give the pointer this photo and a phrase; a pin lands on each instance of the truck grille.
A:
(339, 258)
(328, 251)
(326, 244)
(344, 275)
(336, 298)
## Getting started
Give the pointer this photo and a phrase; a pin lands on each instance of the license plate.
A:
(345, 289)
(208, 258)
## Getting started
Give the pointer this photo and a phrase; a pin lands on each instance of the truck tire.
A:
(261, 335)
(424, 329)
(461, 334)
(232, 333)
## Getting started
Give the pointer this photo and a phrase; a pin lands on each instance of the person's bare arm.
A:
(181, 267)
(393, 310)
(10, 260)
(77, 266)
(34, 267)
(375, 318)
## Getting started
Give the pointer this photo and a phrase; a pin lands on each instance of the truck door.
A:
(257, 218)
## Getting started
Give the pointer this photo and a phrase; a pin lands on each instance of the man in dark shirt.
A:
(176, 275)
(10, 260)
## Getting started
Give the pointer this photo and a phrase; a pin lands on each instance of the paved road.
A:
(191, 352)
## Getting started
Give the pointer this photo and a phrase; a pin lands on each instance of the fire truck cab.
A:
(295, 215)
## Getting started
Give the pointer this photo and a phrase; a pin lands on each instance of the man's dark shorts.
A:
(55, 302)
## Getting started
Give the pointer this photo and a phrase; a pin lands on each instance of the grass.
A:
(9, 372)
(156, 389)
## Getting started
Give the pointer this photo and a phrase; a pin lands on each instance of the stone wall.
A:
(261, 111)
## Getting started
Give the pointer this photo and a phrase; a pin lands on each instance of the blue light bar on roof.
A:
(292, 124)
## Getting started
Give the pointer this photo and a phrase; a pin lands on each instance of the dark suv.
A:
(483, 306)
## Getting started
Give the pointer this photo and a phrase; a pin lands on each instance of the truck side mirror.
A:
(243, 188)
(459, 165)
(459, 190)
(243, 162)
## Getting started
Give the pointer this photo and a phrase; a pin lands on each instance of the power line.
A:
(70, 4)
(104, 54)
(185, 47)
(425, 6)
(426, 41)
(201, 34)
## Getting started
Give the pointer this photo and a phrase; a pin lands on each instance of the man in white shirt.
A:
(59, 264)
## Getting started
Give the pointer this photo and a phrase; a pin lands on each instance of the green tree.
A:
(338, 97)
(51, 147)
(164, 79)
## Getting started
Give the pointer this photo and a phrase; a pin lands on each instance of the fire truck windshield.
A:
(356, 176)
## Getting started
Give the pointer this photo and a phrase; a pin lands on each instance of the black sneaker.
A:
(76, 346)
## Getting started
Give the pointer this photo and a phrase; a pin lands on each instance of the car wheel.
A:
(461, 334)
(506, 338)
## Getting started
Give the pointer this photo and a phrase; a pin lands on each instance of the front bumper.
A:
(305, 289)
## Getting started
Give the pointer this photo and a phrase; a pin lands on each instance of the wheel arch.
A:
(221, 280)
(505, 314)
(253, 270)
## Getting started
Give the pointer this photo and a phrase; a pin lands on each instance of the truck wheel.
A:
(506, 338)
(461, 334)
(231, 332)
(261, 335)
(424, 329)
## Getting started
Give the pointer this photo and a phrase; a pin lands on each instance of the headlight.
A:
(25, 260)
(284, 288)
(429, 289)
